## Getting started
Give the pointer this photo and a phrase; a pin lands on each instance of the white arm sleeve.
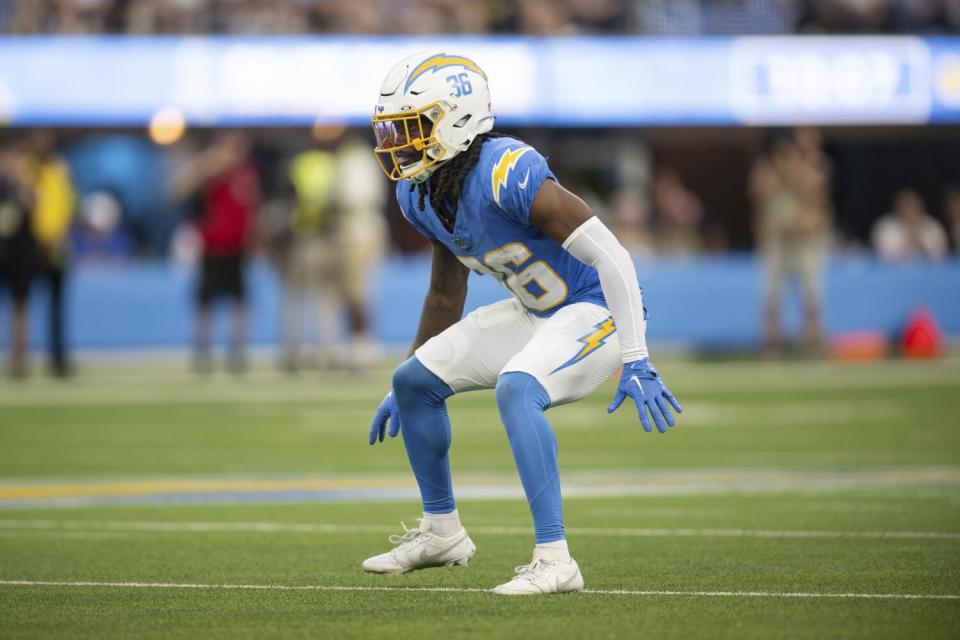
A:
(594, 244)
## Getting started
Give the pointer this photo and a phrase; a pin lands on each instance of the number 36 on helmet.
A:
(432, 105)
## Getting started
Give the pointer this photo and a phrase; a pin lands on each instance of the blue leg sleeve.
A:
(421, 398)
(522, 401)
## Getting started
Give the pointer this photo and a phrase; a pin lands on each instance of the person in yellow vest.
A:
(309, 292)
(338, 234)
(53, 212)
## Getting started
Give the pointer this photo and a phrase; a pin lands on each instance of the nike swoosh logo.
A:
(636, 381)
(566, 583)
(418, 556)
(523, 183)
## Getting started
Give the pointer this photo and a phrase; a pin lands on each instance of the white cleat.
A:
(543, 577)
(421, 548)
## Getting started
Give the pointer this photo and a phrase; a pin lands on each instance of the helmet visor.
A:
(402, 143)
(401, 136)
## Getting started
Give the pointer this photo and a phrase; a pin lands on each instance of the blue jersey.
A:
(493, 235)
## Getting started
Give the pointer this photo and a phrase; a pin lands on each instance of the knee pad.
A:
(516, 390)
(412, 381)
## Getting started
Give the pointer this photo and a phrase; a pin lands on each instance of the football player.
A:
(489, 203)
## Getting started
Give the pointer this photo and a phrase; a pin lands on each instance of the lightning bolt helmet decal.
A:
(438, 61)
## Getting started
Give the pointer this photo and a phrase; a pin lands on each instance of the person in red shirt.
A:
(225, 188)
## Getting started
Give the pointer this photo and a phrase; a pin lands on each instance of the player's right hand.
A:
(386, 411)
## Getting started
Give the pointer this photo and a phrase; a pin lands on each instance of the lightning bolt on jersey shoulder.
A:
(505, 163)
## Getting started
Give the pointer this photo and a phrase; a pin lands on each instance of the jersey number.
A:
(536, 285)
(460, 84)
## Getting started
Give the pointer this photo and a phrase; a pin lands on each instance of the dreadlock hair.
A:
(443, 187)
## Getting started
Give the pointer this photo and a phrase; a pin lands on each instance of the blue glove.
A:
(641, 382)
(386, 411)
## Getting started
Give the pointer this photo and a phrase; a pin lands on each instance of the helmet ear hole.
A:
(462, 122)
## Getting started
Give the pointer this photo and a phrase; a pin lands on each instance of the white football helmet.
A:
(432, 105)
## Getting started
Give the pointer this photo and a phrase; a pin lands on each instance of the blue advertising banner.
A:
(631, 81)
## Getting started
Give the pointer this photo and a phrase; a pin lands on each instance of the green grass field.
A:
(795, 500)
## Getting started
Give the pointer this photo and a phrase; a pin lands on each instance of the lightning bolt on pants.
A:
(522, 402)
(421, 398)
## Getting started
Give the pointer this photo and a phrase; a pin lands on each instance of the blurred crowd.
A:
(790, 188)
(534, 17)
(317, 207)
(317, 214)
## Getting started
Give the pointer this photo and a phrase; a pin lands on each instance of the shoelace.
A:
(528, 571)
(409, 535)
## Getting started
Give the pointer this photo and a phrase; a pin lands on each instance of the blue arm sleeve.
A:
(515, 179)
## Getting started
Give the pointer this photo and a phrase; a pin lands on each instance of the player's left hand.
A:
(641, 382)
(386, 411)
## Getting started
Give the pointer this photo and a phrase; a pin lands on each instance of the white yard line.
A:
(602, 592)
(61, 535)
(321, 528)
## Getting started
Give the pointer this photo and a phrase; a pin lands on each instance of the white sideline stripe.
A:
(281, 527)
(62, 534)
(601, 592)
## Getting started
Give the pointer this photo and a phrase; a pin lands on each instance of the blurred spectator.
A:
(18, 249)
(309, 273)
(259, 17)
(133, 172)
(951, 207)
(599, 16)
(951, 12)
(630, 216)
(226, 189)
(339, 233)
(848, 16)
(171, 16)
(420, 18)
(918, 16)
(908, 232)
(743, 17)
(679, 213)
(361, 238)
(468, 17)
(99, 235)
(716, 17)
(789, 186)
(53, 213)
(544, 18)
(669, 17)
